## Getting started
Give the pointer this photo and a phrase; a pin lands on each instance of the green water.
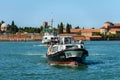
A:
(27, 61)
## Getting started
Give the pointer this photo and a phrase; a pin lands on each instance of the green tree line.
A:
(13, 28)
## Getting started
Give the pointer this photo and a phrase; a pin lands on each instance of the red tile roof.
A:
(73, 30)
(117, 25)
(90, 30)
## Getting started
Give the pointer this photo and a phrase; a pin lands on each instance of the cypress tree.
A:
(13, 28)
(60, 28)
(68, 27)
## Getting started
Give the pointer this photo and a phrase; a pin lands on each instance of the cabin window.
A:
(67, 40)
(45, 37)
(52, 38)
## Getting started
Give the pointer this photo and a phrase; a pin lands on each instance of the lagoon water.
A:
(27, 61)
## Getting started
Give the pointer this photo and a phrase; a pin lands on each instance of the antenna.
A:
(51, 22)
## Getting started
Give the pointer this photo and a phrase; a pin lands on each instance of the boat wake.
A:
(97, 54)
(82, 66)
(42, 62)
(91, 62)
(36, 54)
(40, 45)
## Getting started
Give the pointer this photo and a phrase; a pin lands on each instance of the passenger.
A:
(52, 42)
(69, 40)
(82, 43)
(49, 49)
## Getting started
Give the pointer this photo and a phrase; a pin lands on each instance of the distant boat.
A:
(49, 35)
(67, 52)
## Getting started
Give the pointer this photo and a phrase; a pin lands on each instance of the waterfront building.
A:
(93, 34)
(89, 32)
(110, 28)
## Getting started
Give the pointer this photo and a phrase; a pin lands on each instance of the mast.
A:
(51, 23)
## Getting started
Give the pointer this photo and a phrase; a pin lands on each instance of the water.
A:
(27, 61)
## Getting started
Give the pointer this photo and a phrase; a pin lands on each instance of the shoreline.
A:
(19, 40)
(41, 40)
(37, 37)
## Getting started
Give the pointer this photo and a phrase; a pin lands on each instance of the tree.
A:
(77, 27)
(13, 24)
(21, 30)
(37, 30)
(68, 27)
(104, 36)
(60, 28)
(13, 28)
(2, 22)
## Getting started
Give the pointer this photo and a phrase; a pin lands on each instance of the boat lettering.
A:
(68, 54)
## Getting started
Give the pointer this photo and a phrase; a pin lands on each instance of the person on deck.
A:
(82, 43)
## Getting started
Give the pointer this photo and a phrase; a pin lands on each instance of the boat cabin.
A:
(66, 40)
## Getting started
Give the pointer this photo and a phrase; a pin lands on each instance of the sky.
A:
(82, 13)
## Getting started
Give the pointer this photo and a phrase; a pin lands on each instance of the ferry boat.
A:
(67, 52)
(49, 35)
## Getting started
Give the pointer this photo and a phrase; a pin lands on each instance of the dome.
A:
(4, 25)
(107, 24)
